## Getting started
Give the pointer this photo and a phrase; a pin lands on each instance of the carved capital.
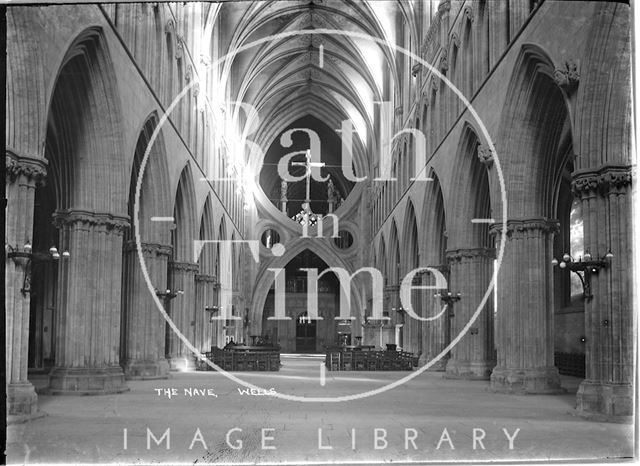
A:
(176, 266)
(568, 76)
(444, 61)
(83, 218)
(443, 268)
(605, 180)
(415, 69)
(468, 12)
(150, 248)
(465, 254)
(445, 5)
(455, 40)
(485, 155)
(399, 111)
(204, 278)
(170, 27)
(542, 225)
(434, 83)
(179, 47)
(34, 169)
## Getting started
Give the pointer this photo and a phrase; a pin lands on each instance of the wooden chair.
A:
(386, 361)
(371, 360)
(333, 360)
(262, 361)
(347, 360)
(228, 361)
(274, 361)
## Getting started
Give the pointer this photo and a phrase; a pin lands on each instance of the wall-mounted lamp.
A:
(27, 256)
(584, 267)
(168, 294)
(401, 313)
(448, 297)
(369, 320)
(212, 310)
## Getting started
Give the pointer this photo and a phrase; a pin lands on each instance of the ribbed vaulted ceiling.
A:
(329, 76)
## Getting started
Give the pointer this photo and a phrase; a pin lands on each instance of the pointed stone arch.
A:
(182, 271)
(185, 211)
(603, 182)
(393, 263)
(142, 345)
(436, 334)
(381, 263)
(470, 259)
(536, 129)
(469, 196)
(265, 278)
(87, 173)
(434, 223)
(535, 123)
(208, 331)
(411, 259)
(411, 251)
(84, 136)
(154, 198)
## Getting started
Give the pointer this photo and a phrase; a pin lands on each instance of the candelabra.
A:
(584, 267)
(448, 298)
(212, 310)
(168, 294)
(29, 256)
(401, 313)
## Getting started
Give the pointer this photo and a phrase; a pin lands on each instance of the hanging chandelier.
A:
(306, 216)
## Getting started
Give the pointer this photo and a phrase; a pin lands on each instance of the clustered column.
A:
(470, 275)
(434, 332)
(89, 303)
(413, 327)
(206, 297)
(145, 325)
(606, 208)
(524, 330)
(23, 174)
(392, 301)
(182, 313)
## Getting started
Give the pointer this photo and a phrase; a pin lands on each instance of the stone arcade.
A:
(88, 88)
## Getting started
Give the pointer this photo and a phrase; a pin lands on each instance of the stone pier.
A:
(435, 333)
(89, 303)
(472, 356)
(207, 331)
(183, 313)
(145, 325)
(23, 174)
(524, 319)
(609, 318)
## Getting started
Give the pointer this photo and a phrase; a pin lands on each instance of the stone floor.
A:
(404, 424)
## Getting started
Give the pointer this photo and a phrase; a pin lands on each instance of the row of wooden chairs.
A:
(242, 360)
(570, 364)
(370, 361)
